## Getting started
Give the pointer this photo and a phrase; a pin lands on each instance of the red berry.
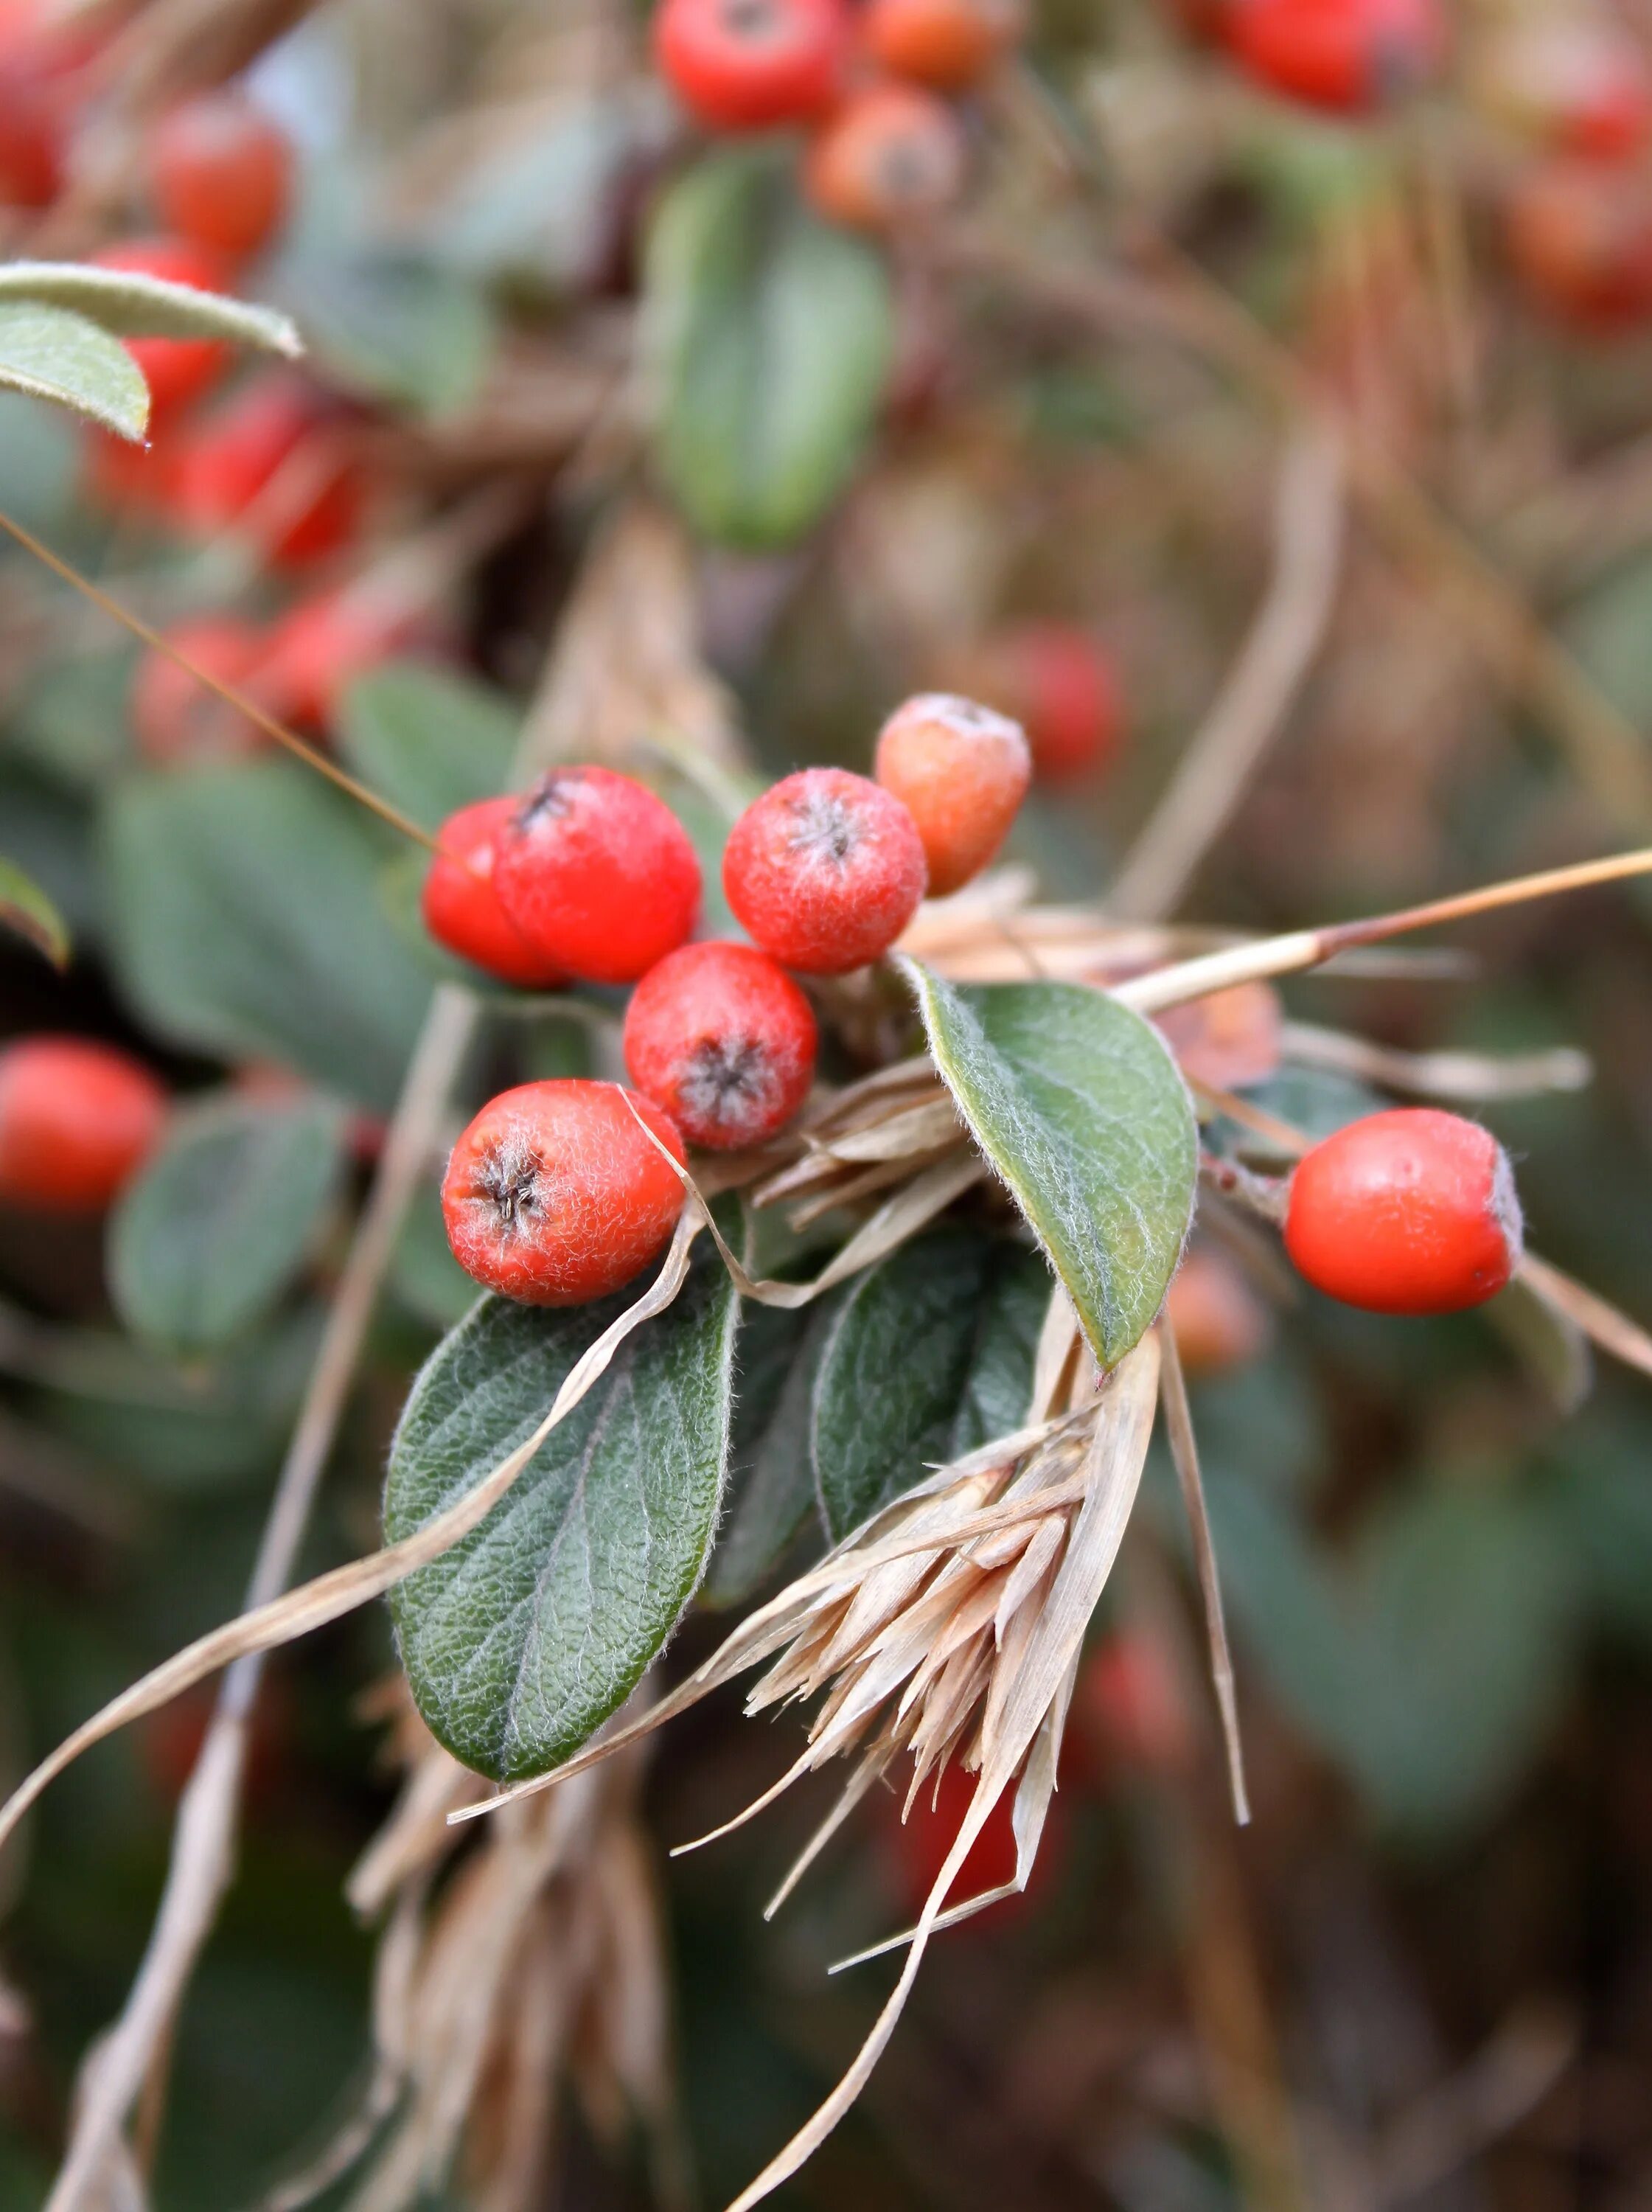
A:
(1580, 237)
(1578, 82)
(317, 649)
(1127, 1704)
(724, 1040)
(1347, 56)
(919, 1843)
(1219, 1321)
(748, 65)
(270, 462)
(222, 172)
(461, 907)
(1412, 1212)
(949, 45)
(598, 873)
(1060, 684)
(176, 370)
(825, 870)
(892, 155)
(32, 129)
(176, 719)
(76, 1120)
(554, 1194)
(961, 771)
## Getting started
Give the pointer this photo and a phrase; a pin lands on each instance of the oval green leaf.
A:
(26, 911)
(527, 1635)
(770, 335)
(130, 305)
(222, 1219)
(1078, 1105)
(929, 1354)
(427, 740)
(247, 922)
(50, 353)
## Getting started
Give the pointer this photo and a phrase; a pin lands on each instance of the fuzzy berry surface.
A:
(77, 1119)
(176, 370)
(893, 155)
(948, 45)
(824, 871)
(461, 907)
(553, 1194)
(961, 770)
(722, 1038)
(222, 172)
(1412, 1212)
(752, 64)
(176, 719)
(598, 874)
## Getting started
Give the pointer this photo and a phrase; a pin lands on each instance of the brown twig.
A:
(1252, 703)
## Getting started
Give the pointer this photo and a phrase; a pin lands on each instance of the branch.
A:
(1262, 686)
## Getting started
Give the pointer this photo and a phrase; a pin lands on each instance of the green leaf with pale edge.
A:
(1078, 1105)
(222, 1219)
(50, 353)
(429, 741)
(770, 335)
(929, 1354)
(26, 911)
(130, 305)
(246, 922)
(528, 1634)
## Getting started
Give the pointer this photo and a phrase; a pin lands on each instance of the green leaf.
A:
(394, 328)
(208, 1237)
(424, 1274)
(929, 1354)
(527, 1635)
(26, 911)
(771, 1484)
(1078, 1105)
(247, 922)
(72, 720)
(429, 741)
(128, 305)
(770, 338)
(50, 353)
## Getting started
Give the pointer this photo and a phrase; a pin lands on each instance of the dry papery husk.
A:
(508, 1974)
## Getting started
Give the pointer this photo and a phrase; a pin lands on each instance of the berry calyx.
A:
(893, 155)
(174, 718)
(554, 1194)
(271, 464)
(1346, 56)
(824, 871)
(461, 907)
(724, 1040)
(77, 1119)
(222, 172)
(948, 45)
(1412, 1212)
(597, 873)
(750, 64)
(176, 370)
(961, 770)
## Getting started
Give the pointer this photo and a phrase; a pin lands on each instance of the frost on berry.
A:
(731, 1084)
(823, 828)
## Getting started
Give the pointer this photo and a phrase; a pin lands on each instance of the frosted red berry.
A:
(961, 770)
(554, 1194)
(1346, 56)
(892, 156)
(949, 45)
(461, 907)
(723, 1040)
(1412, 1212)
(222, 172)
(271, 463)
(824, 871)
(77, 1119)
(174, 718)
(751, 64)
(598, 874)
(176, 370)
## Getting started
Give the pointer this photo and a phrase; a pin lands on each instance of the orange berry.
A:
(961, 771)
(891, 157)
(948, 45)
(222, 173)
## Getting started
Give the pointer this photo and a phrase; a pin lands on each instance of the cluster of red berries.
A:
(870, 83)
(556, 1192)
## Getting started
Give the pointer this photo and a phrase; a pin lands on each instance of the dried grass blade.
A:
(1469, 1075)
(329, 1596)
(1184, 1450)
(873, 1768)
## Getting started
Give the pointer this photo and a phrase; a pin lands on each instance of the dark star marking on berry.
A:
(823, 827)
(551, 799)
(508, 1179)
(726, 1081)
